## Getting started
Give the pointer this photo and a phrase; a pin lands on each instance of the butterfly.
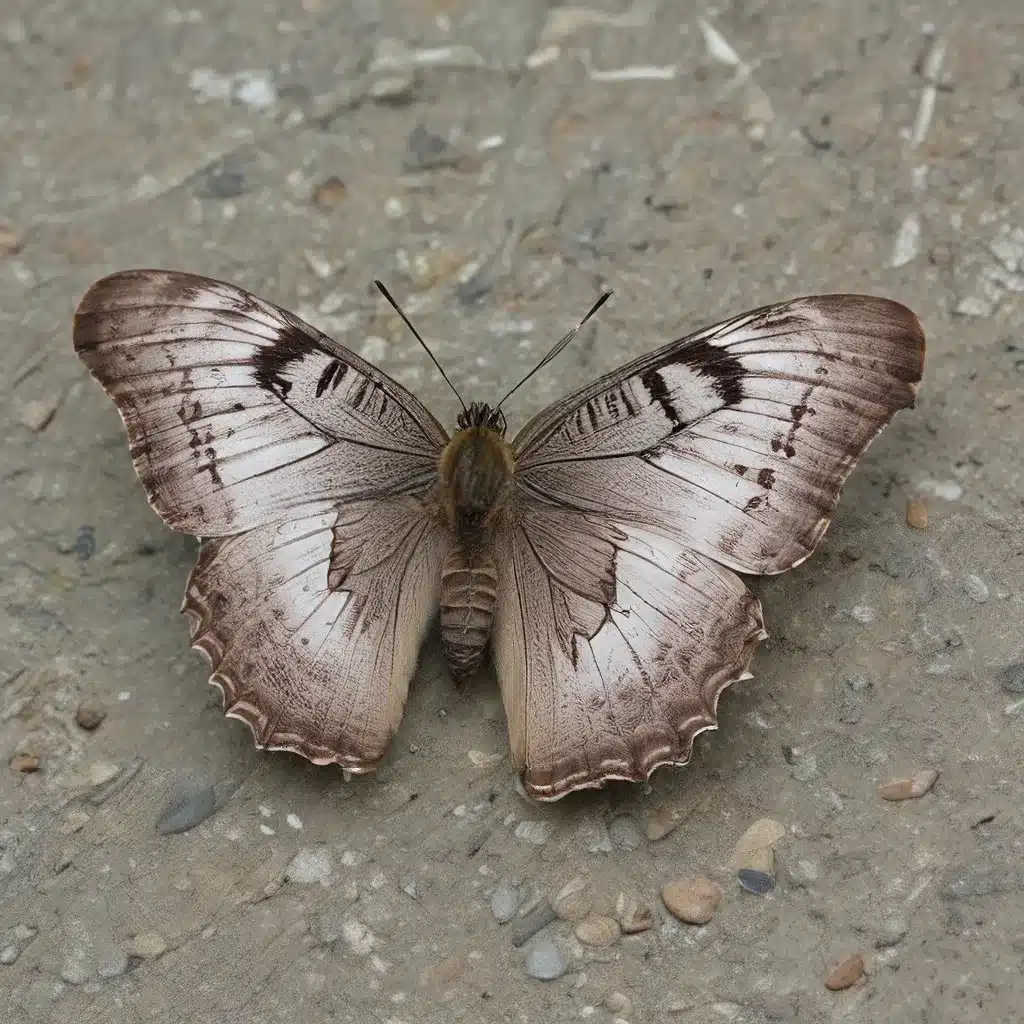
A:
(596, 553)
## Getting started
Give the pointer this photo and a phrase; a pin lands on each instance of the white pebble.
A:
(294, 821)
(536, 832)
(863, 613)
(310, 865)
(976, 588)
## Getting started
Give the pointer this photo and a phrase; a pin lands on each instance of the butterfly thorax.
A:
(476, 473)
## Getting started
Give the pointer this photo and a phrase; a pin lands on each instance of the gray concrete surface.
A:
(496, 174)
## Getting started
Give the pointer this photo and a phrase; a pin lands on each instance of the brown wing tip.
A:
(236, 698)
(656, 749)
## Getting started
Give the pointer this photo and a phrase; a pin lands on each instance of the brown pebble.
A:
(846, 973)
(917, 515)
(598, 930)
(754, 849)
(632, 915)
(90, 714)
(909, 789)
(329, 193)
(693, 900)
(26, 763)
(10, 240)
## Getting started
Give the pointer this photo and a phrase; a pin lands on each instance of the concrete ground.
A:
(497, 164)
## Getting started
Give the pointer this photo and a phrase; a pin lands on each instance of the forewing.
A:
(313, 626)
(612, 645)
(238, 413)
(736, 440)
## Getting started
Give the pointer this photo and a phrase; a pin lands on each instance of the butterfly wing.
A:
(238, 413)
(309, 472)
(729, 447)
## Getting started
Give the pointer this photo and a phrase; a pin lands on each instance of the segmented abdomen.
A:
(468, 593)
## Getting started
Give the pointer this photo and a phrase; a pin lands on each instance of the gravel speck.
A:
(113, 963)
(90, 714)
(149, 945)
(9, 954)
(846, 973)
(505, 903)
(359, 939)
(598, 930)
(574, 900)
(544, 960)
(693, 900)
(911, 788)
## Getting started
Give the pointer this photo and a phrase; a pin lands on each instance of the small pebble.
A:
(544, 960)
(892, 931)
(25, 763)
(329, 193)
(310, 865)
(90, 714)
(633, 917)
(505, 903)
(148, 945)
(911, 788)
(9, 955)
(804, 873)
(112, 964)
(625, 833)
(619, 1004)
(10, 240)
(187, 811)
(103, 772)
(693, 900)
(917, 515)
(760, 883)
(598, 930)
(74, 971)
(803, 764)
(540, 917)
(74, 822)
(536, 832)
(36, 414)
(574, 900)
(359, 939)
(755, 848)
(1011, 678)
(846, 973)
(976, 588)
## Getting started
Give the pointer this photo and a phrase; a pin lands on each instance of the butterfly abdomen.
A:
(469, 582)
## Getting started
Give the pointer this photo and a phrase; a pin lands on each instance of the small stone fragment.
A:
(574, 900)
(74, 822)
(187, 811)
(329, 193)
(632, 915)
(149, 945)
(10, 240)
(892, 931)
(103, 772)
(911, 788)
(693, 900)
(36, 413)
(846, 973)
(9, 955)
(1011, 679)
(544, 960)
(310, 865)
(504, 903)
(917, 515)
(25, 763)
(112, 964)
(754, 849)
(359, 939)
(598, 930)
(625, 833)
(90, 714)
(760, 883)
(540, 917)
(536, 832)
(976, 588)
(619, 1004)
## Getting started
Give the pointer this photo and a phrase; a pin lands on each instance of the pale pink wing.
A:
(611, 645)
(734, 441)
(312, 471)
(615, 629)
(313, 626)
(238, 413)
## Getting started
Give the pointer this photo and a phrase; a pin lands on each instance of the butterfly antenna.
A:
(558, 347)
(416, 335)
